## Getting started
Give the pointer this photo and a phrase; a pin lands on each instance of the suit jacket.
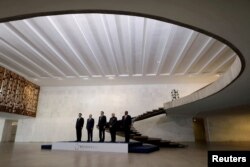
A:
(126, 122)
(102, 121)
(90, 123)
(79, 123)
(112, 122)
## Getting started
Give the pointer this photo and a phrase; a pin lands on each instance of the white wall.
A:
(174, 128)
(58, 107)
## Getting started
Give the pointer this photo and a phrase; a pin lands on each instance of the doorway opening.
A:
(9, 131)
(199, 130)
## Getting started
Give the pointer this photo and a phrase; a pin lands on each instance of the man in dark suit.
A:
(101, 125)
(112, 127)
(90, 126)
(79, 125)
(126, 122)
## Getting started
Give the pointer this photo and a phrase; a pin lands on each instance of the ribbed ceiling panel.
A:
(106, 45)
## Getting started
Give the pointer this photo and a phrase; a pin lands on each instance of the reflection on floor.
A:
(31, 155)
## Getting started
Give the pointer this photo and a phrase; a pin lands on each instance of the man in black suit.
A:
(101, 125)
(89, 127)
(79, 125)
(112, 127)
(126, 122)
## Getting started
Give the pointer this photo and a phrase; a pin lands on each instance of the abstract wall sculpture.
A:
(175, 94)
(17, 95)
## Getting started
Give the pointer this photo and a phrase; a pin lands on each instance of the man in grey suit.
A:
(79, 125)
(112, 127)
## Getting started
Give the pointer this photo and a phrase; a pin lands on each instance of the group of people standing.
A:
(102, 125)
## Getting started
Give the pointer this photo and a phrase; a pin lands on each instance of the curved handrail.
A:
(230, 75)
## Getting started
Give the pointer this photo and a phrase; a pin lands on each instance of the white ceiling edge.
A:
(191, 79)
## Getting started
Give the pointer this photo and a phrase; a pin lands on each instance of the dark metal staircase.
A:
(135, 135)
(149, 114)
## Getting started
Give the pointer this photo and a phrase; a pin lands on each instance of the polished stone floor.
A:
(31, 155)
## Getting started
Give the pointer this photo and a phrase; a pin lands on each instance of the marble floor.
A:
(31, 155)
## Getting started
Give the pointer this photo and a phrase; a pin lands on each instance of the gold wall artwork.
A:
(17, 95)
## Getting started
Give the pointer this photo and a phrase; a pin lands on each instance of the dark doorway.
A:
(199, 130)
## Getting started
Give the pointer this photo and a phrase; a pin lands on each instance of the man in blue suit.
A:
(90, 126)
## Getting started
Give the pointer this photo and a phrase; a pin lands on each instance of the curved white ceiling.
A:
(77, 49)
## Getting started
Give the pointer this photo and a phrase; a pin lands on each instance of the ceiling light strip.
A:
(97, 76)
(123, 75)
(150, 75)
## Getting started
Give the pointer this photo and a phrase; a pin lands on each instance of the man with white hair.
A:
(112, 127)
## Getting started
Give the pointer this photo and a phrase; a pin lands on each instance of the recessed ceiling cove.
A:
(76, 49)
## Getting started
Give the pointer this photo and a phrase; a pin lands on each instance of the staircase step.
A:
(145, 148)
(46, 147)
(133, 135)
(133, 144)
(154, 141)
(140, 138)
(134, 131)
(171, 145)
(165, 141)
(136, 134)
